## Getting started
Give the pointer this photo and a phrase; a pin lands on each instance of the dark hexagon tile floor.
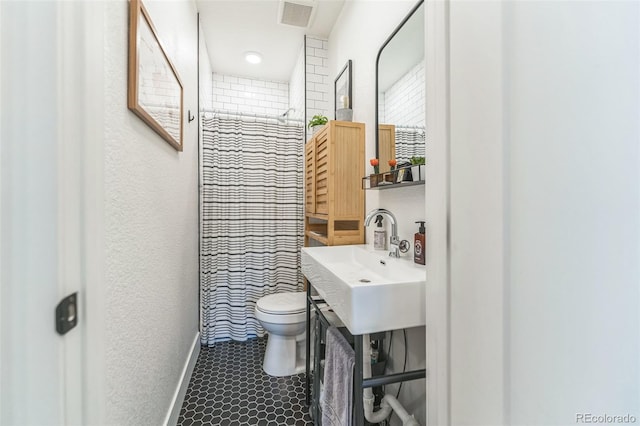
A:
(228, 387)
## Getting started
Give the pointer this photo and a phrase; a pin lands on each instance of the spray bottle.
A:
(379, 235)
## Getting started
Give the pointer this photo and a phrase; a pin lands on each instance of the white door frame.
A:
(50, 210)
(35, 185)
(438, 212)
(92, 100)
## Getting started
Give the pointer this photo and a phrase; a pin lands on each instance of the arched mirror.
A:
(400, 92)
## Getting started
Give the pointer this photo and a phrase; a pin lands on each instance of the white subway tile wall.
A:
(240, 94)
(317, 74)
(296, 88)
(403, 103)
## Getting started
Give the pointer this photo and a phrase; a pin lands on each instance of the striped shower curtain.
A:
(409, 143)
(251, 221)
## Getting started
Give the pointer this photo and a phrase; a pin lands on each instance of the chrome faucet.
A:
(394, 241)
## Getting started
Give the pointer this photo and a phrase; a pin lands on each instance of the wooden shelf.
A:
(321, 238)
(395, 185)
(317, 216)
(393, 179)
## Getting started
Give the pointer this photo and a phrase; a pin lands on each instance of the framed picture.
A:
(403, 173)
(343, 98)
(155, 90)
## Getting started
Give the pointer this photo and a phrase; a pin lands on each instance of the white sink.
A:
(366, 288)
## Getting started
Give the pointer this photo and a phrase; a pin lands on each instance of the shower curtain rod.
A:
(250, 114)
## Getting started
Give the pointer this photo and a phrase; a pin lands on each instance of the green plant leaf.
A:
(317, 120)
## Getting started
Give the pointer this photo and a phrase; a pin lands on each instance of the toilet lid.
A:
(283, 303)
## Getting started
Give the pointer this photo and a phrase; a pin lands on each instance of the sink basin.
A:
(366, 288)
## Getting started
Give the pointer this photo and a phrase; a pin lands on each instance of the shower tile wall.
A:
(403, 103)
(234, 93)
(317, 74)
(231, 93)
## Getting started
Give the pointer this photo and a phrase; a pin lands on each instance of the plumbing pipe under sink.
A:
(389, 402)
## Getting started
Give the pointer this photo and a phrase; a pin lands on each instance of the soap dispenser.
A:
(419, 244)
(379, 235)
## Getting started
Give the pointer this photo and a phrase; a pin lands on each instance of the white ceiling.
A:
(232, 27)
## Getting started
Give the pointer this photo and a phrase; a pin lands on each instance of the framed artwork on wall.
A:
(343, 98)
(155, 91)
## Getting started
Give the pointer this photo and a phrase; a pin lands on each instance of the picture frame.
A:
(403, 173)
(155, 91)
(343, 95)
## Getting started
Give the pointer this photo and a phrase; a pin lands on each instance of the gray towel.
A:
(336, 400)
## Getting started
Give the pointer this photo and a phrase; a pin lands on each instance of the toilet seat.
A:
(282, 308)
(282, 303)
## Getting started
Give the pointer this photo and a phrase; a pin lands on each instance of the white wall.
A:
(574, 240)
(357, 35)
(545, 211)
(151, 227)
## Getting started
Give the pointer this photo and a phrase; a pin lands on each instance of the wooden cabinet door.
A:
(322, 172)
(310, 177)
(347, 168)
(386, 145)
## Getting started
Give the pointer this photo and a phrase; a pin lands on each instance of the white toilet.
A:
(283, 316)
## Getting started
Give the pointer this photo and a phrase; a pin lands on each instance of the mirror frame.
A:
(387, 41)
(344, 73)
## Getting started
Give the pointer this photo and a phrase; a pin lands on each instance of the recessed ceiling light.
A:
(253, 57)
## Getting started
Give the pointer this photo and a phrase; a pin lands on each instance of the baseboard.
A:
(181, 391)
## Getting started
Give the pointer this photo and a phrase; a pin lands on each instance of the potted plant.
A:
(393, 174)
(375, 177)
(316, 122)
(417, 171)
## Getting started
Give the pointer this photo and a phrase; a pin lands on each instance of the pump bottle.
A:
(419, 244)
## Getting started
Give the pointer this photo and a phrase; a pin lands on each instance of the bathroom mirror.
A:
(400, 92)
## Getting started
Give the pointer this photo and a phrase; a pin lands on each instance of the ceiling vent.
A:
(297, 13)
